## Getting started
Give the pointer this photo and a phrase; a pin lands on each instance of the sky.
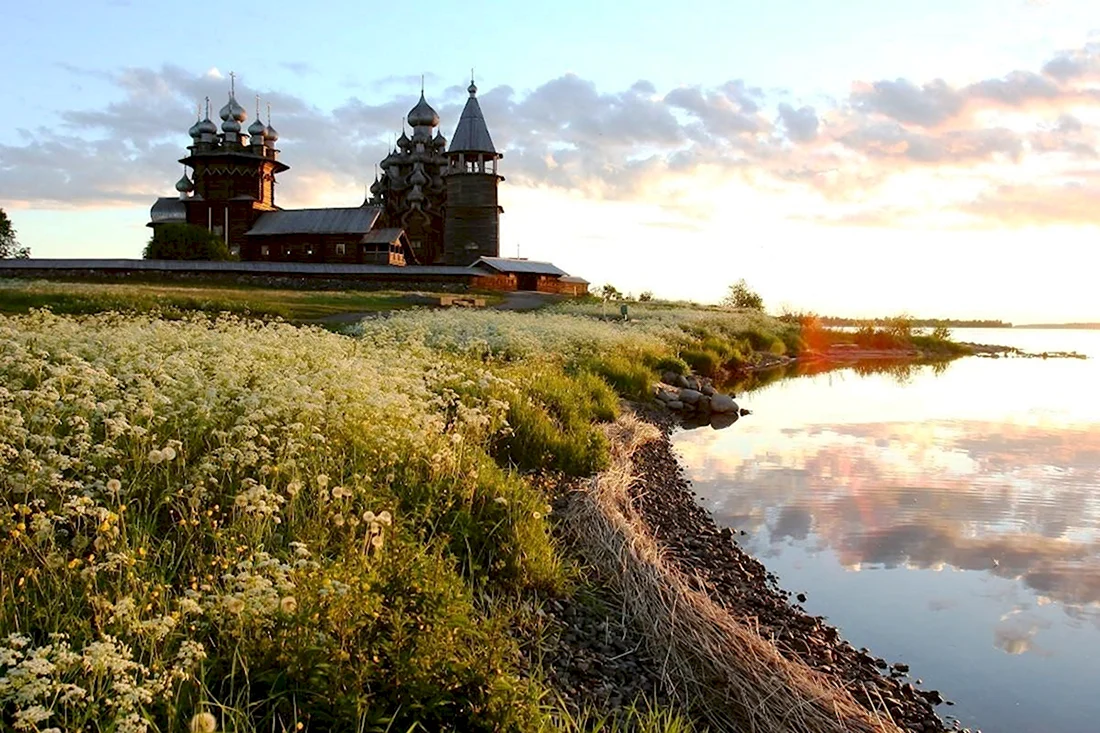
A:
(849, 158)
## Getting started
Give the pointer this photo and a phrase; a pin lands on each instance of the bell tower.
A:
(472, 220)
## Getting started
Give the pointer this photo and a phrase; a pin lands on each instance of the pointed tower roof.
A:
(471, 135)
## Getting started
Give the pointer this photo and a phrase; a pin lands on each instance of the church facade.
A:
(433, 204)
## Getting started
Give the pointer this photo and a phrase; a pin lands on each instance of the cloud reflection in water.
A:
(1016, 500)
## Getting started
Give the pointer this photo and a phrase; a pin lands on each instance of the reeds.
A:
(712, 661)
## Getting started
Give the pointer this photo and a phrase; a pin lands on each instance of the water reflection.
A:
(1019, 503)
(947, 516)
(901, 371)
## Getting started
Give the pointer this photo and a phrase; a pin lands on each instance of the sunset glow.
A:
(856, 161)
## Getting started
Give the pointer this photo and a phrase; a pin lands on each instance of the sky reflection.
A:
(951, 520)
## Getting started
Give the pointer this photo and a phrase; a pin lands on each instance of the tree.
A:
(9, 245)
(185, 242)
(646, 296)
(742, 296)
(609, 292)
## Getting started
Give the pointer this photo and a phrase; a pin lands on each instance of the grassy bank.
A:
(175, 300)
(254, 526)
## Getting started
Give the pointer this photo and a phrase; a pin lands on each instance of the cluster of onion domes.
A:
(232, 116)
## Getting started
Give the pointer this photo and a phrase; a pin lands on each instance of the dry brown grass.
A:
(711, 660)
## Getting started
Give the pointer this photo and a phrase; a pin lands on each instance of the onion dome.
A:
(415, 195)
(376, 188)
(257, 130)
(196, 130)
(184, 185)
(207, 127)
(231, 126)
(403, 141)
(232, 110)
(440, 141)
(472, 89)
(418, 178)
(270, 136)
(422, 115)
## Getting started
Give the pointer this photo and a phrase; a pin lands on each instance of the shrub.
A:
(673, 364)
(629, 377)
(702, 361)
(185, 242)
(551, 415)
(742, 296)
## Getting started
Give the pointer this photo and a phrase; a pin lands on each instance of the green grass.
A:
(450, 423)
(175, 299)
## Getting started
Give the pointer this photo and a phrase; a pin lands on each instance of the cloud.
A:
(928, 105)
(801, 124)
(1079, 63)
(634, 143)
(1030, 204)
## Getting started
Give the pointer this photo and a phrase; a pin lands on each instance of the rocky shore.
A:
(593, 656)
(744, 586)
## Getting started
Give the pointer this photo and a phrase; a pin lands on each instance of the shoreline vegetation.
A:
(437, 520)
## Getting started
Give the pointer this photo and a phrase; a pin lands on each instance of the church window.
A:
(235, 250)
(265, 251)
(340, 248)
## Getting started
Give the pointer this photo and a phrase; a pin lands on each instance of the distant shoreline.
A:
(1062, 326)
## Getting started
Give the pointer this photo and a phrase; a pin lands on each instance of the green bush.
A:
(629, 377)
(185, 242)
(702, 361)
(552, 418)
(673, 364)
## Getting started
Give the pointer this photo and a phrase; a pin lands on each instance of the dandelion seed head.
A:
(155, 456)
(288, 604)
(169, 453)
(114, 486)
(203, 723)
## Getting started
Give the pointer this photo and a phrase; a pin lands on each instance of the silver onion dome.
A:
(196, 130)
(257, 130)
(207, 127)
(231, 126)
(403, 141)
(423, 115)
(232, 111)
(270, 134)
(184, 185)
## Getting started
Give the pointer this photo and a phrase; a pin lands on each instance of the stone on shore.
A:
(722, 403)
(690, 396)
(675, 405)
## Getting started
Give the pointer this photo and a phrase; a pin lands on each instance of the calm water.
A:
(948, 520)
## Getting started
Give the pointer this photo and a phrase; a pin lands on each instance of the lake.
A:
(945, 518)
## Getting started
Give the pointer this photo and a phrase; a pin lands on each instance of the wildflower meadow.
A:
(215, 523)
